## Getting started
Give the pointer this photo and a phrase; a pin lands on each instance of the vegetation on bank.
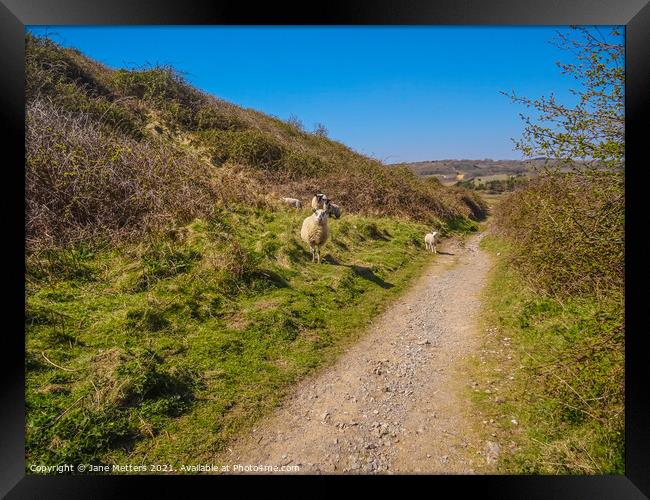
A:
(550, 380)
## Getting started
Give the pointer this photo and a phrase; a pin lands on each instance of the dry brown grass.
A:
(83, 181)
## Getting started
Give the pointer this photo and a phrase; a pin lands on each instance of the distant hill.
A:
(447, 171)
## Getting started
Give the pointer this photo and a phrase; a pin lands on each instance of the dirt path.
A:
(395, 402)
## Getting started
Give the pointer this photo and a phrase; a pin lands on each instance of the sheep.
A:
(318, 200)
(315, 232)
(334, 209)
(430, 241)
(294, 202)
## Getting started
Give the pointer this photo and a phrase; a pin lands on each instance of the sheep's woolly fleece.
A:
(312, 231)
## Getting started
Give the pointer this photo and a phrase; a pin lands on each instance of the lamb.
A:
(315, 232)
(318, 201)
(430, 241)
(294, 202)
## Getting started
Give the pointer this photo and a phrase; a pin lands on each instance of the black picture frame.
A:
(15, 14)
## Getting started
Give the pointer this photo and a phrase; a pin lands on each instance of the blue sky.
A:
(395, 93)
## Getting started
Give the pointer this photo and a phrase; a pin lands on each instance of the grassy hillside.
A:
(112, 154)
(172, 345)
(170, 300)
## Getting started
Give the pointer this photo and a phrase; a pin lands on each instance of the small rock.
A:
(492, 451)
(514, 421)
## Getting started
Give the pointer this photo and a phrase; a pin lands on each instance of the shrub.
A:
(296, 123)
(84, 182)
(247, 147)
(567, 232)
(320, 130)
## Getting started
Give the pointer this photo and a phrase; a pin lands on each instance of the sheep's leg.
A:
(318, 251)
(313, 253)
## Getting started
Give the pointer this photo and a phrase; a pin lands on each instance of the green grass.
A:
(168, 349)
(554, 366)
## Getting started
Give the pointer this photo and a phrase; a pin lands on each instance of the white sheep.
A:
(315, 232)
(318, 201)
(430, 241)
(294, 202)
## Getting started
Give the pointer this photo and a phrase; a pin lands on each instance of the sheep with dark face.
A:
(315, 232)
(430, 241)
(318, 201)
(334, 210)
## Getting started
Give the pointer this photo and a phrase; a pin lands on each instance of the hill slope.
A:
(117, 152)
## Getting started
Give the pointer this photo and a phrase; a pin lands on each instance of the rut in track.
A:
(395, 402)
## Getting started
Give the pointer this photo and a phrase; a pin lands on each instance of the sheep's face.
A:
(320, 215)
